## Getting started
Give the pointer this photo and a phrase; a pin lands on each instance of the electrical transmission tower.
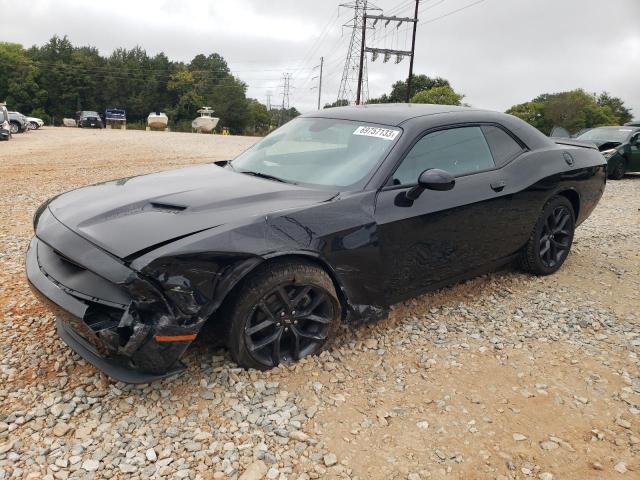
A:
(351, 84)
(286, 89)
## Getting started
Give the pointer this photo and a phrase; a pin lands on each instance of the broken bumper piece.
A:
(111, 368)
(96, 319)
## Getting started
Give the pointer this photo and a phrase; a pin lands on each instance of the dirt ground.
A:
(504, 376)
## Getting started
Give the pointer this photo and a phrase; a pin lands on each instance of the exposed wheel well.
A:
(574, 198)
(314, 261)
(308, 259)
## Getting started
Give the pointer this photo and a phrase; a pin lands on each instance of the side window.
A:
(503, 147)
(459, 151)
(2, 119)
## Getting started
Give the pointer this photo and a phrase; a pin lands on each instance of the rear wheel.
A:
(285, 311)
(618, 170)
(551, 239)
(14, 128)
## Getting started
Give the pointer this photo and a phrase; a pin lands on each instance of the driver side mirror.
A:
(432, 179)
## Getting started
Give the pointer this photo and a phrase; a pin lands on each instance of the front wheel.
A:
(618, 170)
(285, 311)
(14, 128)
(34, 126)
(551, 239)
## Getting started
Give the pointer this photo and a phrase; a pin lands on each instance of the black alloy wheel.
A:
(555, 240)
(283, 312)
(551, 239)
(289, 323)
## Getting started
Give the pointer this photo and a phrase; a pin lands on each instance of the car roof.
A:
(386, 113)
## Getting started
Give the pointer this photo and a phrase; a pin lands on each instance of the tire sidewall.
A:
(259, 285)
(618, 170)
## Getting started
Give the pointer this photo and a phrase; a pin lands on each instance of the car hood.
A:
(605, 144)
(134, 215)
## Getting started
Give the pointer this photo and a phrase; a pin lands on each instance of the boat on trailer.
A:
(157, 121)
(206, 122)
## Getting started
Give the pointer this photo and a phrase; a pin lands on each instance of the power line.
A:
(455, 11)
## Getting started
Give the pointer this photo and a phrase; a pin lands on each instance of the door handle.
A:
(498, 186)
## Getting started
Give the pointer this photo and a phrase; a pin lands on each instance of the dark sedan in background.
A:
(619, 145)
(331, 218)
(89, 119)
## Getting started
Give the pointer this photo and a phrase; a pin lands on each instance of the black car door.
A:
(445, 234)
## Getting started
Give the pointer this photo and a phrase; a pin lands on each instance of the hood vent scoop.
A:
(166, 207)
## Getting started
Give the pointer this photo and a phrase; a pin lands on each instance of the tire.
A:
(34, 126)
(14, 128)
(266, 329)
(551, 239)
(618, 170)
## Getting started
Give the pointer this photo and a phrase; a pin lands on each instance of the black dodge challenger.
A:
(331, 218)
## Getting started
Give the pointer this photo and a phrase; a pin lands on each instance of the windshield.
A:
(606, 134)
(89, 114)
(319, 151)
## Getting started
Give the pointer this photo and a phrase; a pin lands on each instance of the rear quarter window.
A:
(503, 146)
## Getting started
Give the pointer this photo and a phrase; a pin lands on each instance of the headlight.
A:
(609, 153)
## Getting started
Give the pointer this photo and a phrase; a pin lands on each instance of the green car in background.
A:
(619, 145)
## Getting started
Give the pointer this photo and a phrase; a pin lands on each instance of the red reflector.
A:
(175, 338)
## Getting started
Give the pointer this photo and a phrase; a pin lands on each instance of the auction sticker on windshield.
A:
(377, 132)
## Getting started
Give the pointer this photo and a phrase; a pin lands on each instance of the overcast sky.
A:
(497, 52)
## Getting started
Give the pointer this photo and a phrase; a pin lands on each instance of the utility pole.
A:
(399, 54)
(362, 57)
(320, 82)
(413, 51)
(269, 94)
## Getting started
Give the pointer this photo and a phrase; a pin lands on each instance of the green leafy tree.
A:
(532, 113)
(419, 83)
(616, 105)
(229, 101)
(259, 122)
(573, 110)
(337, 103)
(18, 83)
(442, 95)
(280, 117)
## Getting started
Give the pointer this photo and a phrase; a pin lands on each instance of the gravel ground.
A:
(506, 376)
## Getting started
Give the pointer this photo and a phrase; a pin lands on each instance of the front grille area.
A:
(81, 282)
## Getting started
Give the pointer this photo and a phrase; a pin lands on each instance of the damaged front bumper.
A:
(96, 315)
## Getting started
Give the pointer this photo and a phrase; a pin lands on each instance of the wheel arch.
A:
(301, 256)
(574, 198)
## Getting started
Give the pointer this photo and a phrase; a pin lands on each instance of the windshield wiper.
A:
(262, 175)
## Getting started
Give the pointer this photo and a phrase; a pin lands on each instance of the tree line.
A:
(57, 79)
(574, 110)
